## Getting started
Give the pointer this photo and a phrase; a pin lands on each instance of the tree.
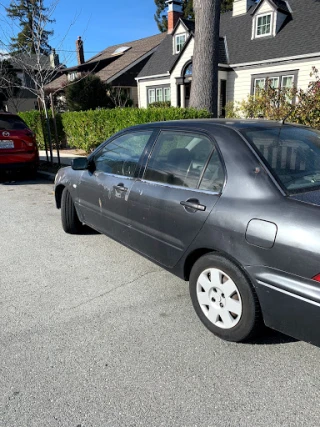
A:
(31, 15)
(9, 82)
(88, 93)
(204, 88)
(161, 15)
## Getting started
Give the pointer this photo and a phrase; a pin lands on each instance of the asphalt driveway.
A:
(92, 335)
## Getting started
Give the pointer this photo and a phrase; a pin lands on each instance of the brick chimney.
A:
(174, 13)
(80, 52)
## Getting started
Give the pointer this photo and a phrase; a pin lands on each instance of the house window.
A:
(159, 94)
(151, 96)
(273, 82)
(287, 82)
(72, 76)
(180, 41)
(167, 95)
(258, 85)
(263, 25)
(159, 97)
(188, 70)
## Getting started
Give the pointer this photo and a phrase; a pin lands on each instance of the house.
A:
(117, 65)
(272, 40)
(26, 67)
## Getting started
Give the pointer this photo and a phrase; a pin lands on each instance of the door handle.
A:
(120, 187)
(193, 204)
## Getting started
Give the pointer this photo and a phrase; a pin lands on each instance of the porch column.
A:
(182, 96)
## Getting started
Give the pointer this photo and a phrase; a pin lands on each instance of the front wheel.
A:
(69, 216)
(224, 299)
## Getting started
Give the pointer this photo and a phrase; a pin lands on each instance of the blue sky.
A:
(101, 23)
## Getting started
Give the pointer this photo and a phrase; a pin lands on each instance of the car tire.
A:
(69, 216)
(224, 299)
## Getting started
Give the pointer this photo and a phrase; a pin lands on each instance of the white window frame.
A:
(159, 94)
(150, 91)
(285, 77)
(255, 86)
(257, 21)
(179, 46)
(274, 78)
(167, 94)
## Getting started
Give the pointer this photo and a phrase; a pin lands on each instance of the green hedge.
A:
(87, 129)
(33, 120)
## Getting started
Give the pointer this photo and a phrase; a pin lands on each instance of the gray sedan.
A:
(230, 206)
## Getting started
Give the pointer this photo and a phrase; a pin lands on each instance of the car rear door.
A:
(103, 190)
(169, 205)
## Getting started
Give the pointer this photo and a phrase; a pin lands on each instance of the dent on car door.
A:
(105, 188)
(181, 184)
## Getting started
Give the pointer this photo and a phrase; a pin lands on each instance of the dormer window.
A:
(263, 25)
(180, 40)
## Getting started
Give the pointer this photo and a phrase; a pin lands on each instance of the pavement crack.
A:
(111, 290)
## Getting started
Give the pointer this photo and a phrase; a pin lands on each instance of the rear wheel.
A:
(69, 216)
(224, 299)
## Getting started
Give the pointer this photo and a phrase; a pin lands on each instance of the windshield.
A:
(292, 154)
(11, 123)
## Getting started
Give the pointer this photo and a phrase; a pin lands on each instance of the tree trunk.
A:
(204, 88)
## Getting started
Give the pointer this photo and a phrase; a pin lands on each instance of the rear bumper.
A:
(19, 161)
(289, 303)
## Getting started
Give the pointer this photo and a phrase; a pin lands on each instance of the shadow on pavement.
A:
(19, 178)
(270, 336)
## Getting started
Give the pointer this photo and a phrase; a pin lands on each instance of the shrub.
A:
(33, 120)
(87, 129)
(160, 104)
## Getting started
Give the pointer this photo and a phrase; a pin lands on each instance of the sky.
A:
(100, 23)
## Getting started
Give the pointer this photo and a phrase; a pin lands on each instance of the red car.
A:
(18, 146)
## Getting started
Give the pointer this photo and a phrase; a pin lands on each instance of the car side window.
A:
(179, 159)
(121, 156)
(213, 177)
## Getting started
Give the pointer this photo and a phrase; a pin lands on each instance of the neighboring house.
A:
(272, 40)
(117, 65)
(24, 67)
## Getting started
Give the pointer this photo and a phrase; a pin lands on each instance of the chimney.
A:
(80, 52)
(174, 13)
(241, 7)
(54, 59)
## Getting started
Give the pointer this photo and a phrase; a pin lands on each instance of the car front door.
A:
(104, 188)
(169, 205)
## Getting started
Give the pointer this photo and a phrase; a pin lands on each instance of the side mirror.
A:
(79, 164)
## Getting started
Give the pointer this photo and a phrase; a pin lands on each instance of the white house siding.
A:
(177, 72)
(143, 85)
(239, 82)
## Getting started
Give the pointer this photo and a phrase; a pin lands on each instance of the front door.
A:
(180, 186)
(103, 193)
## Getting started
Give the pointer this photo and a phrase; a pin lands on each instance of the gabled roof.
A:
(299, 35)
(138, 49)
(108, 64)
(279, 5)
(163, 60)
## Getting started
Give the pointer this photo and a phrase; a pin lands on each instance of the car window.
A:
(12, 123)
(292, 154)
(179, 159)
(213, 177)
(121, 156)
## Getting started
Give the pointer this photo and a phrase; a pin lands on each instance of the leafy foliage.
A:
(161, 11)
(29, 13)
(297, 106)
(87, 93)
(87, 129)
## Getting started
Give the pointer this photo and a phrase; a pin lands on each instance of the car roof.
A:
(206, 124)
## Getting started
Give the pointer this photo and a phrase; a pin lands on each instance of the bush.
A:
(33, 120)
(160, 104)
(87, 129)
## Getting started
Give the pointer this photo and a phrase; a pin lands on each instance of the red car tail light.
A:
(316, 277)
